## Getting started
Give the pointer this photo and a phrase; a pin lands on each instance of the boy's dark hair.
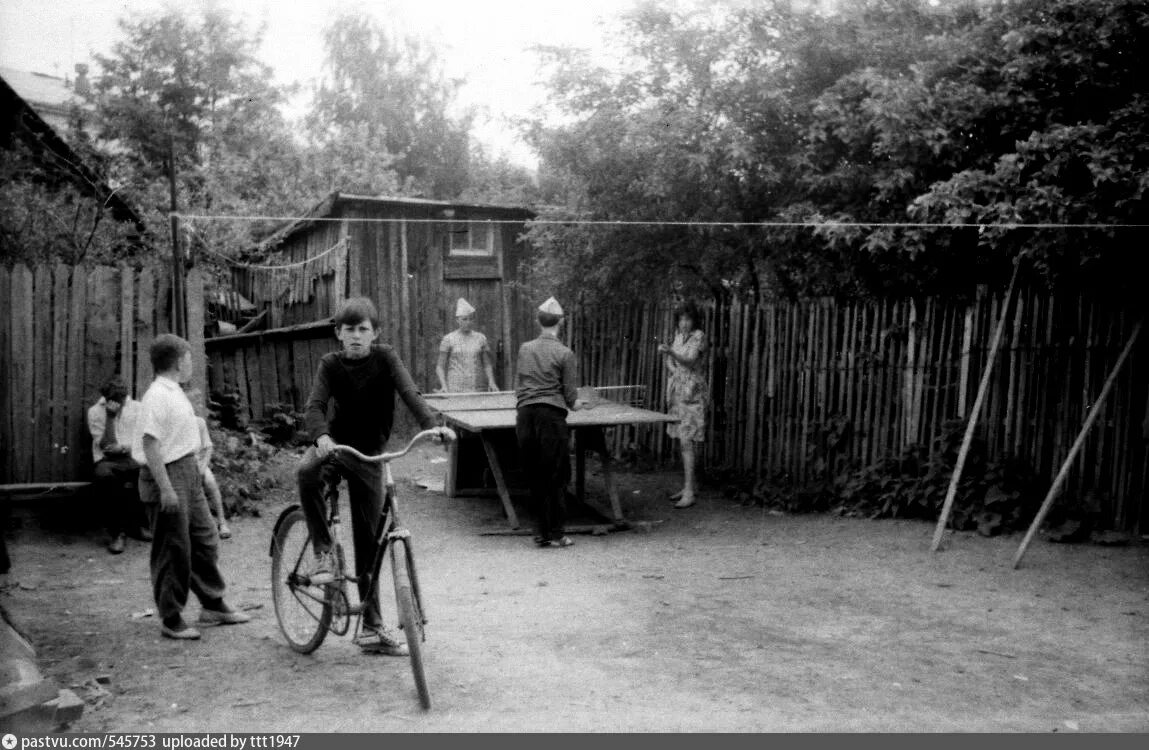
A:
(690, 310)
(166, 351)
(354, 311)
(114, 390)
(548, 320)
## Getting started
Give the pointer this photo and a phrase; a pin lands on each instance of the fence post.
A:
(951, 492)
(1094, 411)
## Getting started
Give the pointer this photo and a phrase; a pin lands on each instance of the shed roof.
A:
(331, 204)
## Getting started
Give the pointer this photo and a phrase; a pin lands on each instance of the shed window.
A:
(476, 238)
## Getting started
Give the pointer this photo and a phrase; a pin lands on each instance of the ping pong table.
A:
(489, 419)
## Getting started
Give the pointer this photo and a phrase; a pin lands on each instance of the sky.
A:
(486, 42)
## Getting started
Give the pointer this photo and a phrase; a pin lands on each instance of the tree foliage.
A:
(44, 218)
(389, 95)
(885, 111)
(189, 90)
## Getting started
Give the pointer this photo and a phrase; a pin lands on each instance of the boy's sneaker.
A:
(180, 631)
(116, 546)
(324, 571)
(225, 616)
(224, 530)
(563, 541)
(375, 639)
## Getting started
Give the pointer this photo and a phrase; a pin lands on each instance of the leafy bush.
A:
(992, 496)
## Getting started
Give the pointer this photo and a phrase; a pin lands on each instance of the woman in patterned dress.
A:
(465, 357)
(686, 393)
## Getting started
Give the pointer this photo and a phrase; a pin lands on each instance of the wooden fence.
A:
(64, 331)
(801, 389)
(805, 388)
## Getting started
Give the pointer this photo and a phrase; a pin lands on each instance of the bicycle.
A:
(308, 611)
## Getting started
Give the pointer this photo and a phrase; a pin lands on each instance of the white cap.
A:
(551, 306)
(463, 307)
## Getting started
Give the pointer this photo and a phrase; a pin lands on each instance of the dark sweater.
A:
(361, 394)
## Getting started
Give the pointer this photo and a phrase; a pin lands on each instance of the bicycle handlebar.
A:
(446, 433)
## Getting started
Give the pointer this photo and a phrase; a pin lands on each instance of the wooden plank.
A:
(6, 382)
(22, 373)
(955, 478)
(270, 373)
(825, 346)
(355, 258)
(79, 441)
(103, 330)
(193, 291)
(127, 328)
(753, 401)
(145, 328)
(500, 483)
(41, 436)
(1094, 411)
(771, 393)
(281, 351)
(242, 387)
(1015, 374)
(162, 322)
(302, 372)
(405, 317)
(255, 379)
(793, 381)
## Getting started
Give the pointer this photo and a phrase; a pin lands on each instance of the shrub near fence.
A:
(806, 390)
(64, 331)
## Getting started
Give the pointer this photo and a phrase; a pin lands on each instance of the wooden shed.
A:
(413, 257)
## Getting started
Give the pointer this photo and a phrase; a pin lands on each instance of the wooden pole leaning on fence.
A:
(975, 411)
(1094, 412)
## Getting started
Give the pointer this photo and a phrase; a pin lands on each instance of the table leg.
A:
(500, 484)
(451, 485)
(608, 480)
(580, 466)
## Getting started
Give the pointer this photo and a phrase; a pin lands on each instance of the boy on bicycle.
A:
(353, 403)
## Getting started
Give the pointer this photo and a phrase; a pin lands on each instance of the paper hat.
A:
(463, 307)
(551, 306)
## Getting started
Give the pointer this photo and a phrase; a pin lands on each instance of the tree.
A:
(191, 88)
(707, 124)
(388, 97)
(884, 111)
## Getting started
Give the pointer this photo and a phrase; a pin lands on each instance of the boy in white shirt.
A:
(185, 544)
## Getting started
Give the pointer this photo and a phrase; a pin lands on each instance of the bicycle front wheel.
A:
(302, 609)
(410, 616)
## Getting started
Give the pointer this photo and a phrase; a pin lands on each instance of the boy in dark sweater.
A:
(353, 403)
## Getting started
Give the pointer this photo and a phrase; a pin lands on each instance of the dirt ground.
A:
(720, 618)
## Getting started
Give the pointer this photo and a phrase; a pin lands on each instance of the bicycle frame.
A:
(387, 526)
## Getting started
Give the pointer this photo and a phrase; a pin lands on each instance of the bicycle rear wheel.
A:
(410, 616)
(303, 610)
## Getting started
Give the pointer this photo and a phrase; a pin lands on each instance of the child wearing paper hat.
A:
(465, 363)
(546, 387)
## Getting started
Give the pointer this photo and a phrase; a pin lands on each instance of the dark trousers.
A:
(364, 486)
(544, 453)
(185, 543)
(115, 483)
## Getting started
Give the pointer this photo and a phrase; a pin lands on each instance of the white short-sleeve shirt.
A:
(167, 415)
